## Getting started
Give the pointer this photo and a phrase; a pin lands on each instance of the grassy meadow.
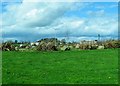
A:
(60, 67)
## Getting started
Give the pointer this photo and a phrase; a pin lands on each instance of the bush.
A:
(8, 46)
(112, 44)
(84, 46)
(51, 46)
(93, 47)
(41, 47)
(65, 48)
(46, 46)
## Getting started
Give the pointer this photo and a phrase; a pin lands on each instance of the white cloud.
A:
(33, 21)
(96, 13)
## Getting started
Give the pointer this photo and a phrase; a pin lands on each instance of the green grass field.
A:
(69, 67)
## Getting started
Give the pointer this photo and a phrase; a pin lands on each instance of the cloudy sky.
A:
(30, 21)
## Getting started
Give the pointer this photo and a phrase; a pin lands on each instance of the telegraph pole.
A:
(55, 36)
(98, 39)
(67, 35)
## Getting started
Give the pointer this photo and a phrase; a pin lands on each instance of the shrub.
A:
(41, 47)
(8, 46)
(112, 44)
(51, 46)
(93, 47)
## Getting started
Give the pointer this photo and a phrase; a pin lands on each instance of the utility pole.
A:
(55, 36)
(67, 35)
(98, 39)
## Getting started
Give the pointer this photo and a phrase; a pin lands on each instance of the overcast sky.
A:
(31, 21)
